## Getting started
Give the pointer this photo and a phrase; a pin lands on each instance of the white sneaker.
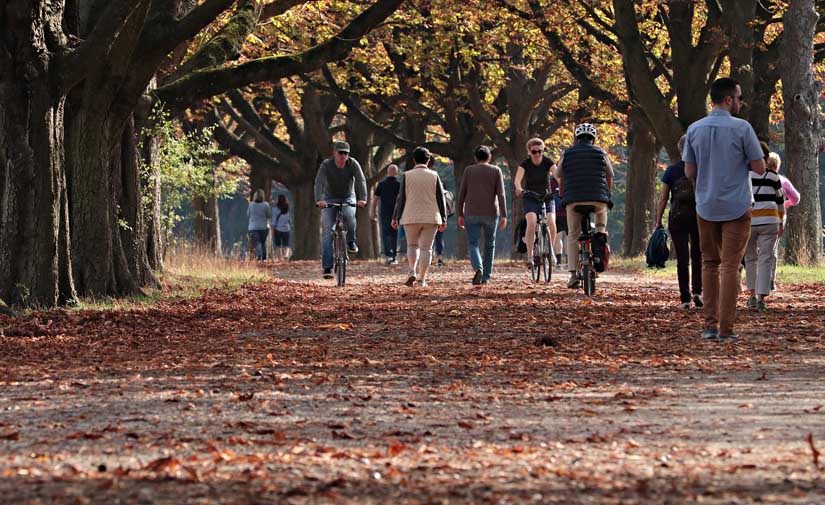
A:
(684, 306)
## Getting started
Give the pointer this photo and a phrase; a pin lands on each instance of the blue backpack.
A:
(657, 252)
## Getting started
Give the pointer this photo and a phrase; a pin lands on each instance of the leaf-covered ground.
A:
(294, 391)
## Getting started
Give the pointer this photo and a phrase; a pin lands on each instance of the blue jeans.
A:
(476, 225)
(439, 243)
(389, 237)
(328, 217)
(259, 242)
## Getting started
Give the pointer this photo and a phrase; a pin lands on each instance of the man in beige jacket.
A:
(422, 211)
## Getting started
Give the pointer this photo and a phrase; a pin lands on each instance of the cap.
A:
(341, 147)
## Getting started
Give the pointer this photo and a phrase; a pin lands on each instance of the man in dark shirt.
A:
(339, 180)
(386, 193)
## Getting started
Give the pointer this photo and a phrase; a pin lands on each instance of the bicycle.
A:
(542, 261)
(586, 274)
(339, 244)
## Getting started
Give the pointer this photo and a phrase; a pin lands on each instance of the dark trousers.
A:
(389, 237)
(439, 243)
(686, 242)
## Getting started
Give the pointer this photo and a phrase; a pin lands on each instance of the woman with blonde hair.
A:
(259, 213)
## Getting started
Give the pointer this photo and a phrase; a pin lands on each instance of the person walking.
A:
(684, 230)
(482, 209)
(383, 208)
(534, 175)
(791, 200)
(259, 213)
(585, 177)
(767, 218)
(281, 228)
(719, 150)
(339, 180)
(421, 210)
(560, 244)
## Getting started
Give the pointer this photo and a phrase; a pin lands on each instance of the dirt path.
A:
(295, 391)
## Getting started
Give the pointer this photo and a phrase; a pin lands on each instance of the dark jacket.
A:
(584, 174)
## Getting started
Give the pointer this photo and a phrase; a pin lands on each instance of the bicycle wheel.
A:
(588, 279)
(547, 259)
(341, 258)
(536, 261)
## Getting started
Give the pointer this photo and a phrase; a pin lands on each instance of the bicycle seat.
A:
(584, 209)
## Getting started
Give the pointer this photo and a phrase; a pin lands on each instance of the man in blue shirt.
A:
(386, 193)
(719, 151)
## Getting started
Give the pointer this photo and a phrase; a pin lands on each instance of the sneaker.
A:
(697, 300)
(573, 283)
(477, 277)
(727, 338)
(410, 279)
(752, 302)
(327, 273)
(684, 305)
(352, 248)
(710, 334)
(440, 262)
(485, 281)
(393, 262)
(760, 306)
(422, 283)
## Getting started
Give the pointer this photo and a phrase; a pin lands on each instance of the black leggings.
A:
(686, 242)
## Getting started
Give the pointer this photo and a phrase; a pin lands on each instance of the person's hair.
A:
(283, 204)
(535, 141)
(721, 88)
(774, 162)
(765, 149)
(681, 144)
(483, 153)
(259, 195)
(421, 155)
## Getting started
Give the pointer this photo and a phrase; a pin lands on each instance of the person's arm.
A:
(609, 172)
(780, 204)
(689, 156)
(360, 184)
(663, 197)
(690, 171)
(502, 200)
(754, 151)
(790, 192)
(559, 175)
(462, 195)
(442, 205)
(320, 186)
(374, 206)
(400, 201)
(517, 181)
(268, 213)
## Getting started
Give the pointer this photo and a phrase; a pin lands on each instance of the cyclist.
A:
(339, 180)
(534, 174)
(585, 177)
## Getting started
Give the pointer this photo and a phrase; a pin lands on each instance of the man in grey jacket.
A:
(339, 180)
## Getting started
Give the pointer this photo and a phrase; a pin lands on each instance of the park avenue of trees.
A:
(275, 82)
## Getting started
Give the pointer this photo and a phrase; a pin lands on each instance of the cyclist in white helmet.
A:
(585, 177)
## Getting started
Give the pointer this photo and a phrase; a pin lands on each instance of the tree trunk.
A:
(516, 209)
(463, 159)
(740, 15)
(207, 224)
(35, 264)
(307, 221)
(151, 206)
(802, 135)
(640, 203)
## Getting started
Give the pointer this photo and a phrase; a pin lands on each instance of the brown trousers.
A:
(723, 244)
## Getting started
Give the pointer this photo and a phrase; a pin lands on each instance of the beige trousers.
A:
(574, 229)
(420, 238)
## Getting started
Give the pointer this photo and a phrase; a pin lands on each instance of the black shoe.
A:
(710, 334)
(477, 277)
(410, 280)
(440, 262)
(697, 300)
(352, 248)
(327, 273)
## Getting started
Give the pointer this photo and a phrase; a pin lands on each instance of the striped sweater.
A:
(768, 199)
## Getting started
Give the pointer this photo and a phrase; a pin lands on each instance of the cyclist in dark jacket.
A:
(585, 177)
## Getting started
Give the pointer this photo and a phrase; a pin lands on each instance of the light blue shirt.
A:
(722, 147)
(259, 214)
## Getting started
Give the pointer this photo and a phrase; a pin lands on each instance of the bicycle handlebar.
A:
(340, 205)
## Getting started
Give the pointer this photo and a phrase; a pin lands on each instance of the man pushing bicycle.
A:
(339, 180)
(585, 177)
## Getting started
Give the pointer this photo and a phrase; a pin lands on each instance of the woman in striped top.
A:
(766, 228)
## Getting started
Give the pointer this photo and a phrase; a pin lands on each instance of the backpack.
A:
(657, 251)
(682, 201)
(449, 201)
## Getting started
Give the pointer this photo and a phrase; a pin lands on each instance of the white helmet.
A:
(585, 129)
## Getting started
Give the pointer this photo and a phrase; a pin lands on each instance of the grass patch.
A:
(785, 274)
(187, 273)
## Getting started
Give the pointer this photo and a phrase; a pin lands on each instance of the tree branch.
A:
(203, 84)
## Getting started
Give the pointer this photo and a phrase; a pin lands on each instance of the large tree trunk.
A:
(307, 221)
(516, 208)
(740, 15)
(461, 160)
(207, 224)
(802, 135)
(640, 202)
(35, 265)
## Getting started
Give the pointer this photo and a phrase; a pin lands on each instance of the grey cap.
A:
(341, 146)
